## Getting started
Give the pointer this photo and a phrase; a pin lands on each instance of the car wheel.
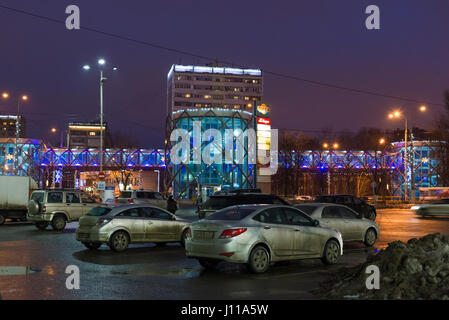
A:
(259, 260)
(42, 225)
(370, 237)
(331, 252)
(184, 237)
(119, 241)
(2, 219)
(92, 245)
(208, 263)
(371, 215)
(58, 223)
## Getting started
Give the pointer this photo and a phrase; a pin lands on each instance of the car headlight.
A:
(103, 221)
(415, 208)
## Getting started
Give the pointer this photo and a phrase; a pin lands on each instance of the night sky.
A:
(314, 39)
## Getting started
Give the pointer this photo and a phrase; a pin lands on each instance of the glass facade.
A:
(189, 177)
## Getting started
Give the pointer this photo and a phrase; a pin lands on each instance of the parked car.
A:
(14, 195)
(121, 225)
(351, 225)
(223, 200)
(143, 197)
(357, 204)
(259, 235)
(57, 207)
(438, 207)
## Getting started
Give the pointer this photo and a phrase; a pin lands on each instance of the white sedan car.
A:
(352, 226)
(435, 208)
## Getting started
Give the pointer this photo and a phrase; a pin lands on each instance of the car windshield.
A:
(216, 203)
(231, 214)
(324, 199)
(99, 211)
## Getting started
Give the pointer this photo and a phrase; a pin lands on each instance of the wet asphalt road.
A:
(33, 264)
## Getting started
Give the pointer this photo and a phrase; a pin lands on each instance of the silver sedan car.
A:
(352, 226)
(438, 207)
(119, 226)
(258, 235)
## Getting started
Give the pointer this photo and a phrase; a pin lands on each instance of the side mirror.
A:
(316, 223)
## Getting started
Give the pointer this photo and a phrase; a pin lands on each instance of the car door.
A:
(332, 218)
(132, 221)
(87, 202)
(74, 206)
(159, 225)
(352, 224)
(277, 232)
(307, 240)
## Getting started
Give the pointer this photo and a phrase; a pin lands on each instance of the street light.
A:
(23, 98)
(101, 63)
(399, 114)
(381, 141)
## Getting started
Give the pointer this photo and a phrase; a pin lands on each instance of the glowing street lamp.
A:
(381, 141)
(399, 114)
(335, 145)
(5, 95)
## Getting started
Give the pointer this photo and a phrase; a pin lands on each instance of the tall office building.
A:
(193, 87)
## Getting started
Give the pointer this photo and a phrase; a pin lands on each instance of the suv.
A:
(57, 207)
(143, 197)
(222, 200)
(358, 205)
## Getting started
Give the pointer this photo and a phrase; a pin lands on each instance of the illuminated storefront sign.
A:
(264, 121)
(263, 109)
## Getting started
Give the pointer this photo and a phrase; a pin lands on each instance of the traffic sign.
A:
(101, 176)
(101, 185)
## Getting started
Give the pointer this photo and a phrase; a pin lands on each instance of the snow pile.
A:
(418, 269)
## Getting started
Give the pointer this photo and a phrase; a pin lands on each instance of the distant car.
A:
(220, 201)
(358, 205)
(304, 198)
(124, 224)
(259, 235)
(434, 208)
(57, 207)
(353, 227)
(142, 196)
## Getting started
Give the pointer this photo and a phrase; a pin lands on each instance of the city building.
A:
(85, 134)
(213, 86)
(218, 98)
(8, 126)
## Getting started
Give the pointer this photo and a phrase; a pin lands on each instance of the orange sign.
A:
(263, 109)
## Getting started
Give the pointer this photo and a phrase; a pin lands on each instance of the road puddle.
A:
(17, 270)
(183, 273)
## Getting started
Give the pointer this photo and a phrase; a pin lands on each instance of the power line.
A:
(195, 55)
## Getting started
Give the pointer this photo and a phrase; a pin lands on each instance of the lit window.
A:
(4, 123)
(246, 98)
(91, 133)
(236, 97)
(250, 105)
(207, 96)
(188, 95)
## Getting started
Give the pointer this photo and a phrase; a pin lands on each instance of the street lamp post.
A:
(398, 114)
(101, 64)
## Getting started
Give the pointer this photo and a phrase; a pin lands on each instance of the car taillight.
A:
(44, 209)
(101, 222)
(131, 200)
(231, 233)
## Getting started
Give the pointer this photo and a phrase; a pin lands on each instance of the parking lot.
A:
(33, 265)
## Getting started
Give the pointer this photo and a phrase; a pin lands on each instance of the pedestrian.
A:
(172, 205)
